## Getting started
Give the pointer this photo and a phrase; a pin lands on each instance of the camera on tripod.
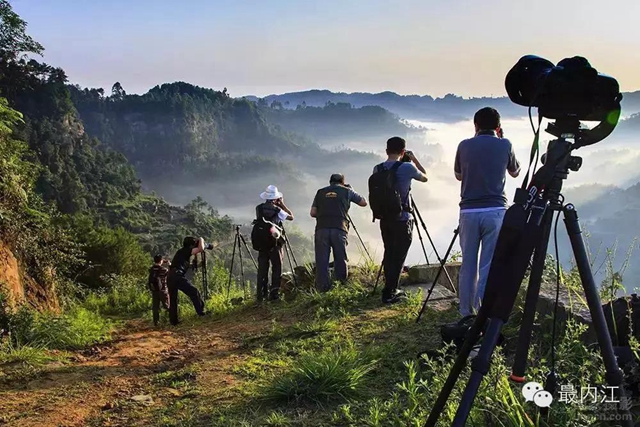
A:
(567, 93)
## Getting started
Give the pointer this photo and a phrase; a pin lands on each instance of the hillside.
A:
(186, 141)
(450, 108)
(341, 123)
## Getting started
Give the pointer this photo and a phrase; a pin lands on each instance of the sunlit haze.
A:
(262, 47)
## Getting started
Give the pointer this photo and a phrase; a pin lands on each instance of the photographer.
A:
(273, 211)
(397, 230)
(158, 286)
(481, 164)
(330, 209)
(177, 280)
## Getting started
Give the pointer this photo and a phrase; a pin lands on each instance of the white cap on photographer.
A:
(271, 193)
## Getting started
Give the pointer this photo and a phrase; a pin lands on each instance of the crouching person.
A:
(330, 209)
(267, 238)
(177, 280)
(158, 287)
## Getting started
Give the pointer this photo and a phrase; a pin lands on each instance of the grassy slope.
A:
(218, 371)
(251, 365)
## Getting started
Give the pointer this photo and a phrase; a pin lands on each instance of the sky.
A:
(262, 47)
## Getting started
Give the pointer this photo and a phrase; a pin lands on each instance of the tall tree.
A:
(14, 40)
(117, 91)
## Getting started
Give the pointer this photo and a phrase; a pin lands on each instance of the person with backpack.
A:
(389, 189)
(330, 209)
(177, 280)
(481, 165)
(267, 238)
(158, 286)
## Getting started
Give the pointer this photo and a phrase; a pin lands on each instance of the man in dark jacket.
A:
(178, 281)
(158, 287)
(330, 209)
(275, 211)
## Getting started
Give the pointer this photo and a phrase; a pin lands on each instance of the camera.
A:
(407, 156)
(571, 89)
(208, 246)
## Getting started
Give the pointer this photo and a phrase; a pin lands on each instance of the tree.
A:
(14, 40)
(117, 92)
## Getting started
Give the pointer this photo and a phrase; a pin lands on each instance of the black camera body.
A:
(406, 158)
(190, 242)
(573, 88)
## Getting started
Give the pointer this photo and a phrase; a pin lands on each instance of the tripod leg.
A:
(480, 367)
(424, 250)
(461, 360)
(287, 250)
(375, 286)
(435, 251)
(233, 255)
(531, 301)
(205, 284)
(244, 243)
(613, 375)
(244, 289)
(435, 281)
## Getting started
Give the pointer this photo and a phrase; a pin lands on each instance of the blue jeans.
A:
(476, 228)
(327, 239)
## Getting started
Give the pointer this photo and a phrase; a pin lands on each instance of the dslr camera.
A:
(407, 156)
(192, 242)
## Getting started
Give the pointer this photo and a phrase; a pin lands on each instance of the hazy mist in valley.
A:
(612, 162)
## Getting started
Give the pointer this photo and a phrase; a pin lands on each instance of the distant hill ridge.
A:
(450, 108)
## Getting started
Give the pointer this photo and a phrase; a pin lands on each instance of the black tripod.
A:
(438, 273)
(290, 256)
(364, 247)
(525, 230)
(239, 241)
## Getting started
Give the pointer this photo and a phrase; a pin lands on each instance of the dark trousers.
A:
(397, 237)
(274, 256)
(180, 283)
(326, 240)
(159, 298)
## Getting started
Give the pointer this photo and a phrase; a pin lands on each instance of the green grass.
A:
(75, 329)
(317, 378)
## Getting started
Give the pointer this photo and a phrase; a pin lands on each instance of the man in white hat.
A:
(270, 213)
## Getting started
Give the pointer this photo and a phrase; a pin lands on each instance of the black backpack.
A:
(261, 237)
(384, 197)
(157, 279)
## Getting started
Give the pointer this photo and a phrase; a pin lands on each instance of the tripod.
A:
(239, 241)
(290, 256)
(438, 273)
(525, 230)
(359, 238)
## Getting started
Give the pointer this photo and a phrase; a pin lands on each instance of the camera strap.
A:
(535, 147)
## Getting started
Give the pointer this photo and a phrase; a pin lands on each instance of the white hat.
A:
(271, 193)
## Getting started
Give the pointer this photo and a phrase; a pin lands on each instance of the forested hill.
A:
(337, 123)
(184, 139)
(72, 213)
(450, 108)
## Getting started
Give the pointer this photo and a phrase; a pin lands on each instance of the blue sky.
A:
(271, 46)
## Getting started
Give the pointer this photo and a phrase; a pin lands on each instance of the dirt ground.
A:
(95, 381)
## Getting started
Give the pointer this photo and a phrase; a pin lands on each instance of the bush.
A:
(75, 329)
(125, 296)
(318, 378)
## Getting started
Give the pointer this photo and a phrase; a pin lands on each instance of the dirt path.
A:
(100, 380)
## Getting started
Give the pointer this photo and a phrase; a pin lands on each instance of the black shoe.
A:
(396, 297)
